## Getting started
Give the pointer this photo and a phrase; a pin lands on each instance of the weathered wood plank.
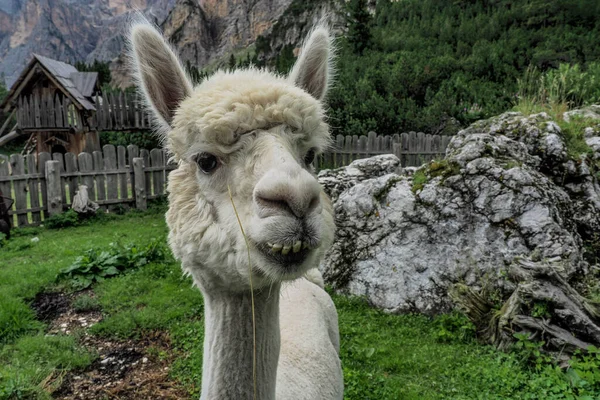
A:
(131, 109)
(132, 152)
(106, 114)
(53, 188)
(371, 143)
(72, 181)
(61, 165)
(43, 157)
(140, 187)
(99, 175)
(156, 160)
(420, 159)
(124, 113)
(50, 110)
(61, 162)
(96, 118)
(58, 114)
(413, 147)
(428, 150)
(122, 164)
(348, 149)
(65, 111)
(6, 185)
(86, 164)
(379, 144)
(110, 163)
(34, 188)
(17, 163)
(405, 149)
(355, 156)
(36, 105)
(362, 146)
(145, 154)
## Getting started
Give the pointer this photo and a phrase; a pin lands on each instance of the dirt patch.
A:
(124, 369)
(70, 320)
(131, 370)
(48, 306)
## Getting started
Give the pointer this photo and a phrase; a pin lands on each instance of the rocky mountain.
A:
(68, 30)
(207, 31)
(201, 30)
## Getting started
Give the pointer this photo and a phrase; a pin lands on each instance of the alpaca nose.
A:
(294, 192)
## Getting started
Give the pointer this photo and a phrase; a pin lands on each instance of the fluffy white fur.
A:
(260, 127)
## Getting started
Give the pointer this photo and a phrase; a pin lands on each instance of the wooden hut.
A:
(54, 104)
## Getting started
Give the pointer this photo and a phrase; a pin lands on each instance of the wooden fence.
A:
(114, 111)
(127, 177)
(412, 148)
(115, 177)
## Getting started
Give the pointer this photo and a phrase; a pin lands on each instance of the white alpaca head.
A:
(254, 133)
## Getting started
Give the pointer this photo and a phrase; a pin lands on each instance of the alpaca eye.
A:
(207, 162)
(309, 157)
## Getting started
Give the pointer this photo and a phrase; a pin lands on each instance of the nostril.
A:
(315, 203)
(274, 204)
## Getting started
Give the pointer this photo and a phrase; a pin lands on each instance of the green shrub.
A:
(419, 180)
(581, 380)
(573, 133)
(63, 220)
(96, 265)
(454, 327)
(144, 140)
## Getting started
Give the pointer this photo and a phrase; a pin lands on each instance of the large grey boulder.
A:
(506, 189)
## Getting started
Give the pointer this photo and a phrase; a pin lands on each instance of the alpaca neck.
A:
(229, 345)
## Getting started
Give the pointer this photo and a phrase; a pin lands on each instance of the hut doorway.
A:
(59, 148)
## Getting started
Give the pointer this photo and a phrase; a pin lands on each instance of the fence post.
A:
(53, 187)
(140, 183)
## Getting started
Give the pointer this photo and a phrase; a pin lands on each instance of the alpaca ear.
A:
(158, 72)
(313, 68)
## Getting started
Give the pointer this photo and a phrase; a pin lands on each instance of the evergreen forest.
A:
(436, 65)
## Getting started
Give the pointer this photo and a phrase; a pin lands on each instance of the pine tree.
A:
(359, 25)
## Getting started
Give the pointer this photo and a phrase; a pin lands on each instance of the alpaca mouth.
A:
(286, 254)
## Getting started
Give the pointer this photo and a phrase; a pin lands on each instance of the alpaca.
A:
(247, 139)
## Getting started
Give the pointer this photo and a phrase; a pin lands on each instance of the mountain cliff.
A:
(201, 30)
(68, 30)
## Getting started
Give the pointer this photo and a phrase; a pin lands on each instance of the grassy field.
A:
(383, 356)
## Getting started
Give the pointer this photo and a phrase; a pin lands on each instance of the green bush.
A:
(144, 140)
(97, 265)
(454, 327)
(63, 220)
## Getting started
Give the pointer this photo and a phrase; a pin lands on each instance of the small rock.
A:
(145, 360)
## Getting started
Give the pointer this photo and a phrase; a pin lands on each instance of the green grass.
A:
(572, 131)
(86, 303)
(384, 356)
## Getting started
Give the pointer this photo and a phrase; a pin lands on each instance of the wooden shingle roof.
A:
(63, 72)
(79, 86)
